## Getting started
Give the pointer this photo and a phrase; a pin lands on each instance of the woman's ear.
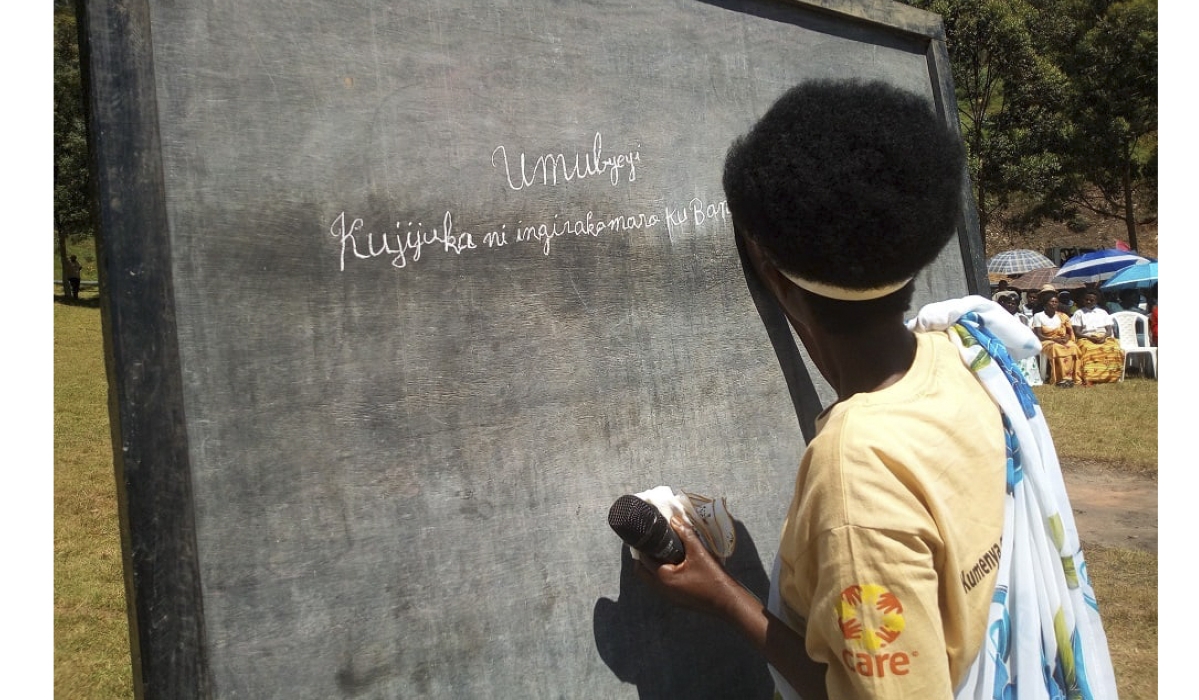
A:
(767, 272)
(786, 293)
(795, 303)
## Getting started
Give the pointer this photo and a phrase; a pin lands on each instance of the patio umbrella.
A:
(1014, 262)
(1133, 277)
(1034, 280)
(1097, 266)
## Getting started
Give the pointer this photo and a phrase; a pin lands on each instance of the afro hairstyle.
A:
(850, 183)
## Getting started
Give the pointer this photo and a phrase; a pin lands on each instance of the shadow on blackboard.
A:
(671, 653)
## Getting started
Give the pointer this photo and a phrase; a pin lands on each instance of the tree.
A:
(71, 175)
(1006, 94)
(1113, 107)
(1058, 104)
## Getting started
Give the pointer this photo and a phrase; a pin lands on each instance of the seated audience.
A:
(1038, 302)
(1028, 303)
(1127, 300)
(1111, 302)
(1066, 302)
(1100, 358)
(1130, 300)
(1057, 340)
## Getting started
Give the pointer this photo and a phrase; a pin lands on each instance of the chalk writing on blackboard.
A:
(406, 241)
(551, 164)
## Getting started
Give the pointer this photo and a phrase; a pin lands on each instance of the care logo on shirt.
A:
(871, 618)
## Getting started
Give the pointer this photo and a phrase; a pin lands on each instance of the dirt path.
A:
(1111, 508)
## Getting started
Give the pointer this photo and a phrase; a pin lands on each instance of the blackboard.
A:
(399, 297)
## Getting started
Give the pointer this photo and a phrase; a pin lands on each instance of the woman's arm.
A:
(701, 583)
(1070, 337)
(1035, 324)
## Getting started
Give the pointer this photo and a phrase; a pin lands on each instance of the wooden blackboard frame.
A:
(150, 456)
(148, 423)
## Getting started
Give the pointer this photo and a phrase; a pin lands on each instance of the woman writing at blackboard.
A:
(900, 570)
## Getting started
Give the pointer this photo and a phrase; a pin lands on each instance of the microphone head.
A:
(643, 528)
(632, 519)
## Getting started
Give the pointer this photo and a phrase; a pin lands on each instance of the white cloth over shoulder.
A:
(1018, 339)
(1044, 636)
(709, 516)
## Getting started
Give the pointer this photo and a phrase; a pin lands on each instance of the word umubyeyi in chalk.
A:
(405, 242)
(549, 167)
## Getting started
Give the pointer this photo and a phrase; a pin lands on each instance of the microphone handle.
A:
(663, 543)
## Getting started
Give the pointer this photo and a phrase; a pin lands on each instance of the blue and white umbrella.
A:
(1097, 266)
(1133, 277)
(1015, 262)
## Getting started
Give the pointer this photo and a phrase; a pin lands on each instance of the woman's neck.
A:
(869, 360)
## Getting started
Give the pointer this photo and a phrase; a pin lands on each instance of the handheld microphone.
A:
(643, 528)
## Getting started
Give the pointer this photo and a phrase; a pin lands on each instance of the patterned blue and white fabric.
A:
(1044, 635)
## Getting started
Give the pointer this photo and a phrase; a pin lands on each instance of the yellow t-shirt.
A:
(890, 548)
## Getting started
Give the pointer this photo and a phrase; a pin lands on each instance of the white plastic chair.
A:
(1042, 361)
(1133, 331)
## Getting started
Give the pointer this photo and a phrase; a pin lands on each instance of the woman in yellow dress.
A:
(1057, 343)
(1100, 358)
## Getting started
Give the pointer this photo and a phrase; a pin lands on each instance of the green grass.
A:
(1114, 424)
(1125, 583)
(91, 634)
(1111, 423)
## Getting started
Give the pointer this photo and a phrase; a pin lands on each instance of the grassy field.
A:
(91, 641)
(1086, 427)
(91, 638)
(1125, 583)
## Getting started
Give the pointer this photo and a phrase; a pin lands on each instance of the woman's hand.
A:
(700, 582)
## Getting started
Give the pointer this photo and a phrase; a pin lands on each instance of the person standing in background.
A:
(74, 269)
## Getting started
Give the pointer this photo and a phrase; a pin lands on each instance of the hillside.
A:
(1097, 234)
